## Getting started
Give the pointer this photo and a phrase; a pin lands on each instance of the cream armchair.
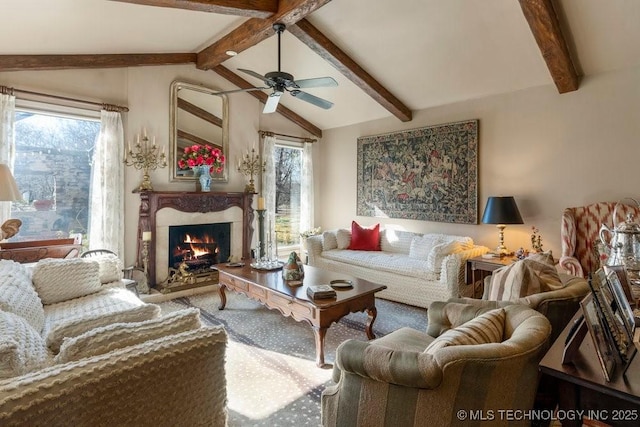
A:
(392, 381)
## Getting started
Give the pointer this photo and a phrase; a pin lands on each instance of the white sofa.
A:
(76, 352)
(414, 272)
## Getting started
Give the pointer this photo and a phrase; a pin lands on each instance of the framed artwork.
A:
(623, 308)
(612, 317)
(428, 174)
(603, 347)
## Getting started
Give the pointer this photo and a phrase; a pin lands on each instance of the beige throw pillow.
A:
(484, 329)
(526, 277)
(22, 349)
(119, 335)
(58, 280)
(343, 237)
(329, 240)
(110, 268)
(18, 296)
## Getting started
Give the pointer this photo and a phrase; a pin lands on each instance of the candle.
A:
(146, 236)
(154, 142)
(137, 140)
(260, 203)
(144, 131)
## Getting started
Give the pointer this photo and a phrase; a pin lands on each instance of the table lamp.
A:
(501, 211)
(8, 193)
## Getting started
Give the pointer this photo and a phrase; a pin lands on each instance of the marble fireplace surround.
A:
(161, 209)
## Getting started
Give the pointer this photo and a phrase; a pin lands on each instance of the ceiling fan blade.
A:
(316, 82)
(272, 103)
(312, 99)
(258, 76)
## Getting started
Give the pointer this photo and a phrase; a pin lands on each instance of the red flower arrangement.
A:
(199, 155)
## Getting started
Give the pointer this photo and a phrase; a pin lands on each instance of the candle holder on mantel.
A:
(251, 165)
(146, 157)
(261, 213)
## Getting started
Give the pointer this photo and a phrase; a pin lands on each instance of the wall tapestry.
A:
(428, 174)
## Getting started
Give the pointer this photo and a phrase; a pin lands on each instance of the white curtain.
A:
(7, 142)
(269, 189)
(306, 190)
(106, 230)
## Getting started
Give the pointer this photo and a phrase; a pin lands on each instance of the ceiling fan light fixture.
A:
(281, 82)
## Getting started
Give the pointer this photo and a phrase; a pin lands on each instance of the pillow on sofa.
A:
(58, 280)
(18, 296)
(484, 329)
(329, 240)
(22, 349)
(529, 276)
(438, 253)
(421, 246)
(343, 238)
(364, 238)
(109, 268)
(119, 335)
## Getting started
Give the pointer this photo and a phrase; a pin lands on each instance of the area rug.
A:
(272, 378)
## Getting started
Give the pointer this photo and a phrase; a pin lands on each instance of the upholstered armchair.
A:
(393, 381)
(580, 234)
(558, 306)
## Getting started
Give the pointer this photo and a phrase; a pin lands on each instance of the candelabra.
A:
(251, 165)
(146, 157)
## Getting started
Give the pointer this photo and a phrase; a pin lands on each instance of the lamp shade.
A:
(8, 187)
(501, 210)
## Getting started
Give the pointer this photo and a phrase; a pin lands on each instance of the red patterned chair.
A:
(580, 234)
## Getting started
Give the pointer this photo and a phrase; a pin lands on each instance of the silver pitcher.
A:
(623, 243)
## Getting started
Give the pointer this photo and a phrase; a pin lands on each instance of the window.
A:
(53, 171)
(288, 177)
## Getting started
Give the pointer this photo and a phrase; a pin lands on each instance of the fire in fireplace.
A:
(199, 246)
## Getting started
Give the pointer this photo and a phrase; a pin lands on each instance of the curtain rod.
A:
(109, 107)
(264, 133)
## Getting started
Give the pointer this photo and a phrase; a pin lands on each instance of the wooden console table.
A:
(581, 385)
(34, 251)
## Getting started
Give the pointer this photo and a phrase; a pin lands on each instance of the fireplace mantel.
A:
(152, 201)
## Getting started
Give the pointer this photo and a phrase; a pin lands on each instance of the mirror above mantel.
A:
(197, 116)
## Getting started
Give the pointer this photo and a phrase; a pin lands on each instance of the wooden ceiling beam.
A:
(331, 53)
(250, 8)
(65, 62)
(284, 111)
(255, 30)
(545, 26)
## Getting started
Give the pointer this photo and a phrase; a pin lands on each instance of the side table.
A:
(479, 267)
(582, 390)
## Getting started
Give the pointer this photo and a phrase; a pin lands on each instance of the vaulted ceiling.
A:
(390, 57)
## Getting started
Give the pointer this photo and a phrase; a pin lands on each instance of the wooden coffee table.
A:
(271, 290)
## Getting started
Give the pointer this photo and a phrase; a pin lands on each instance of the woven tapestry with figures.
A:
(428, 174)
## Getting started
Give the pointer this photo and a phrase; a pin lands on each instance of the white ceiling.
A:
(425, 52)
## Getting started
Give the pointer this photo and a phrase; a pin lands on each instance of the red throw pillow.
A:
(365, 239)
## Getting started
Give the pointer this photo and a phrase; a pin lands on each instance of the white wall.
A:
(550, 151)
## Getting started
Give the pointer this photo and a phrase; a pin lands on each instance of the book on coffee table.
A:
(321, 291)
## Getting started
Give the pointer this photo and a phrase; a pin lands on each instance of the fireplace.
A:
(199, 246)
(161, 210)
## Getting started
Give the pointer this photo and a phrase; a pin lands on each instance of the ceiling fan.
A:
(282, 82)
